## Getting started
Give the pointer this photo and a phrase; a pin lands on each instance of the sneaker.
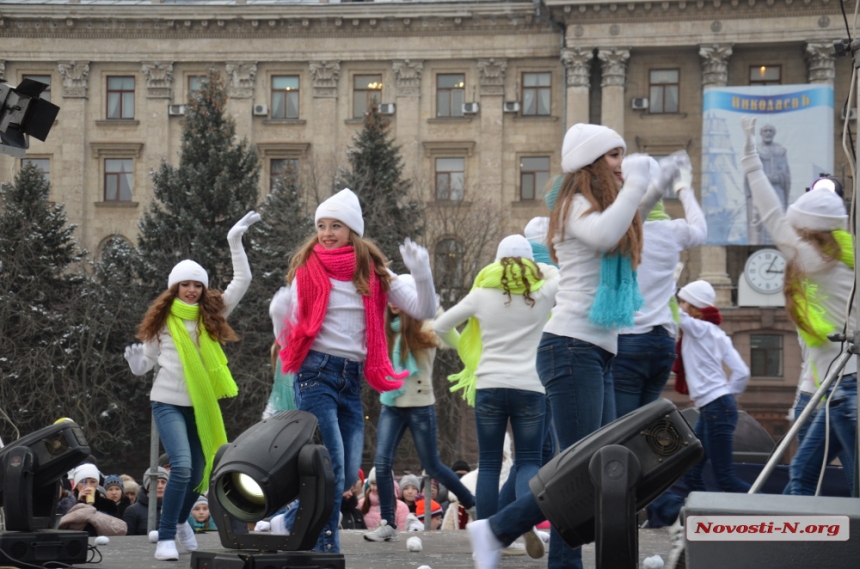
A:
(278, 525)
(516, 548)
(185, 537)
(383, 532)
(534, 544)
(486, 548)
(678, 553)
(166, 551)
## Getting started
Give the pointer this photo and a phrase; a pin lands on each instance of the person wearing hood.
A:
(137, 515)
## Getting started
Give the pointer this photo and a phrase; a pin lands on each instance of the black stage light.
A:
(593, 489)
(23, 113)
(268, 466)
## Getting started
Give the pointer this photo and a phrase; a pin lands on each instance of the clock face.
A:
(765, 271)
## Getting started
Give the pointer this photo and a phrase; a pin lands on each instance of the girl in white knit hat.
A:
(330, 322)
(182, 331)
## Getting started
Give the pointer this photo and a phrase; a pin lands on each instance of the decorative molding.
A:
(715, 64)
(283, 149)
(577, 63)
(613, 66)
(407, 77)
(448, 148)
(2, 69)
(662, 145)
(242, 75)
(821, 62)
(159, 79)
(116, 149)
(325, 75)
(75, 76)
(491, 75)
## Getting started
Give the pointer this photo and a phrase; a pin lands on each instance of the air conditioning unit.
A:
(176, 110)
(386, 109)
(851, 113)
(470, 108)
(261, 110)
(639, 103)
(512, 106)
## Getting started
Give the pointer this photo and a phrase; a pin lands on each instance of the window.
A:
(46, 79)
(450, 178)
(663, 95)
(120, 98)
(534, 174)
(448, 272)
(281, 167)
(766, 355)
(43, 164)
(285, 97)
(450, 94)
(536, 93)
(195, 83)
(366, 91)
(118, 179)
(765, 75)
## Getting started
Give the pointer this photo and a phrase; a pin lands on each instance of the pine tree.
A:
(376, 176)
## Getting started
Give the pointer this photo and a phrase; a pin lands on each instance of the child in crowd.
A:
(115, 491)
(86, 479)
(130, 487)
(369, 506)
(200, 519)
(436, 511)
(351, 516)
(410, 489)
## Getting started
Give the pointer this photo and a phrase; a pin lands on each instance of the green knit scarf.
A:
(470, 346)
(658, 213)
(208, 379)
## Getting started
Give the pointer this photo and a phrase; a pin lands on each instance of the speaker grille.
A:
(56, 444)
(19, 550)
(74, 548)
(663, 438)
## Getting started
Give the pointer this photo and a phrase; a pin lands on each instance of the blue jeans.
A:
(806, 464)
(641, 368)
(330, 388)
(178, 433)
(508, 493)
(421, 421)
(716, 429)
(493, 408)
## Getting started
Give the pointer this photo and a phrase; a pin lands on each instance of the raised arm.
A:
(663, 174)
(241, 269)
(697, 228)
(419, 302)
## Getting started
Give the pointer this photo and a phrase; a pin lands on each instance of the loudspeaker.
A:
(240, 559)
(37, 548)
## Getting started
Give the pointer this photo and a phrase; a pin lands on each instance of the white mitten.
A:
(136, 359)
(238, 230)
(416, 258)
(684, 179)
(636, 169)
(750, 160)
(666, 177)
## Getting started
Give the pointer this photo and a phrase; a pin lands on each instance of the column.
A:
(158, 85)
(613, 64)
(715, 61)
(577, 66)
(322, 122)
(820, 62)
(240, 89)
(74, 160)
(407, 93)
(491, 79)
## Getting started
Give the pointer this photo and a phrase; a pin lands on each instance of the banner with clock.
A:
(794, 131)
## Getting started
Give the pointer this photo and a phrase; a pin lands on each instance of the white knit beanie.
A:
(514, 246)
(343, 206)
(536, 229)
(818, 210)
(698, 293)
(187, 270)
(585, 143)
(84, 471)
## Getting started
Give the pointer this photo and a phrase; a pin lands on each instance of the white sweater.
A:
(586, 236)
(834, 279)
(704, 349)
(169, 385)
(510, 332)
(663, 242)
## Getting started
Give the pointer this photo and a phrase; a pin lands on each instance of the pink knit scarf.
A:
(314, 288)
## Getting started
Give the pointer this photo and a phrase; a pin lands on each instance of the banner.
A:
(794, 138)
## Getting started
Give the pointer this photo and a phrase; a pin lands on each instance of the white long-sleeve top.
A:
(586, 236)
(704, 349)
(834, 279)
(510, 332)
(663, 242)
(169, 385)
(343, 329)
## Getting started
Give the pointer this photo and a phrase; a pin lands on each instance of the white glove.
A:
(748, 124)
(668, 172)
(136, 359)
(238, 230)
(637, 167)
(684, 178)
(416, 258)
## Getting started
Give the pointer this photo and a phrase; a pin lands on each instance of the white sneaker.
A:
(534, 544)
(185, 536)
(383, 532)
(166, 551)
(516, 548)
(678, 553)
(263, 525)
(486, 547)
(278, 525)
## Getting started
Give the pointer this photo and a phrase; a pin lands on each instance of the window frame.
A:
(534, 173)
(34, 159)
(34, 76)
(189, 90)
(122, 98)
(286, 93)
(106, 175)
(537, 89)
(276, 174)
(455, 112)
(764, 358)
(447, 173)
(764, 82)
(663, 87)
(367, 93)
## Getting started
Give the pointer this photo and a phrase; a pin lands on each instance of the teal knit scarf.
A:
(618, 297)
(388, 397)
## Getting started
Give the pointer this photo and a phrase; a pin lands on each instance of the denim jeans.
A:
(508, 493)
(716, 429)
(494, 407)
(178, 433)
(421, 421)
(641, 368)
(806, 464)
(330, 388)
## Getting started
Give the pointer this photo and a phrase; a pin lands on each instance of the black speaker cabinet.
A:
(244, 559)
(25, 549)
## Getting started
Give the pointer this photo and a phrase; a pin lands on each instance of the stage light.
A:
(23, 113)
(592, 490)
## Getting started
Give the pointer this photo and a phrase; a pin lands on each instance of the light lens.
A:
(249, 489)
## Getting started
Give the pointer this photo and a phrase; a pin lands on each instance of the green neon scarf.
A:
(470, 346)
(658, 213)
(208, 379)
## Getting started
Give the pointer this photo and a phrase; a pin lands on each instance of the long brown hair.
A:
(598, 184)
(211, 305)
(412, 336)
(367, 254)
(507, 264)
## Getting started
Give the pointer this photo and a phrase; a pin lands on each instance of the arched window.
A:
(449, 270)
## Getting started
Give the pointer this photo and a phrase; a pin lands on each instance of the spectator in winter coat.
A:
(86, 479)
(200, 519)
(137, 515)
(115, 491)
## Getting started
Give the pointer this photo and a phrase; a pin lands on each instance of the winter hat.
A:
(410, 480)
(343, 206)
(585, 143)
(187, 270)
(83, 472)
(514, 246)
(131, 486)
(435, 508)
(200, 500)
(461, 464)
(164, 460)
(698, 293)
(114, 480)
(536, 229)
(162, 474)
(818, 210)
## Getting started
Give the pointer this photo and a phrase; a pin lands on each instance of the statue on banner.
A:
(774, 158)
